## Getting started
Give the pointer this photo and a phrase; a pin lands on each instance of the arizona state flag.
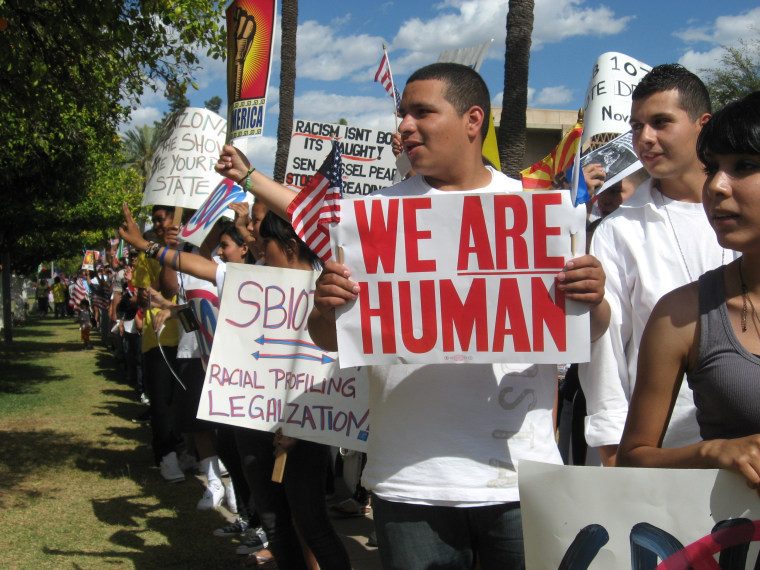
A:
(544, 174)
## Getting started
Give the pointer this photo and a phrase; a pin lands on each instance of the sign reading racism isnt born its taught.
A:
(461, 277)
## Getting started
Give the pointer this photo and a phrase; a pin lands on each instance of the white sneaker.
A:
(212, 497)
(229, 496)
(170, 470)
(222, 469)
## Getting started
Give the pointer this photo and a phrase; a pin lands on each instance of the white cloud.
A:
(552, 96)
(261, 151)
(498, 99)
(141, 116)
(725, 31)
(362, 111)
(324, 55)
(462, 23)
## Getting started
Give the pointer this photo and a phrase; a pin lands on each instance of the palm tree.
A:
(289, 23)
(138, 146)
(511, 138)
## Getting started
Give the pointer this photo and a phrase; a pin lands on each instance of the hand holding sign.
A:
(334, 289)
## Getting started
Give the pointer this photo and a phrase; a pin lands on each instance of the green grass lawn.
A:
(78, 488)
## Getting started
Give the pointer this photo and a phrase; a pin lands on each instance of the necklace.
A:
(745, 299)
(678, 242)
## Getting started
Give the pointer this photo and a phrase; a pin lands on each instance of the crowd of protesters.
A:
(433, 502)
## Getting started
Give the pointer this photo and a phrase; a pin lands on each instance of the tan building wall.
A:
(546, 127)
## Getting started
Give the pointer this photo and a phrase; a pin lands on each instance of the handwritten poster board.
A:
(461, 277)
(576, 518)
(607, 107)
(368, 162)
(213, 208)
(265, 372)
(250, 41)
(182, 171)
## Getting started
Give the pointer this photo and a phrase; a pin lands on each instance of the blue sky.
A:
(340, 46)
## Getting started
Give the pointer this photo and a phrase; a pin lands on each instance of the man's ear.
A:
(703, 119)
(475, 117)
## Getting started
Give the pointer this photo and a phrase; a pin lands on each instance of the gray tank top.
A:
(726, 376)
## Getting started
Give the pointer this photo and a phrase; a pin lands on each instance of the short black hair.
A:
(157, 207)
(735, 129)
(692, 93)
(229, 229)
(464, 88)
(275, 228)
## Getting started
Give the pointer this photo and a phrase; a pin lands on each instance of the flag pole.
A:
(393, 87)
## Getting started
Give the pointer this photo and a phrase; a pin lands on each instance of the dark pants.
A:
(133, 358)
(419, 536)
(161, 385)
(300, 498)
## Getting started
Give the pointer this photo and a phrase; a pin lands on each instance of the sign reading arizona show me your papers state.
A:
(461, 277)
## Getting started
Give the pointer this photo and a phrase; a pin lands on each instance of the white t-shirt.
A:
(647, 247)
(454, 434)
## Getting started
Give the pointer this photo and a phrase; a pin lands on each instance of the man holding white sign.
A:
(447, 439)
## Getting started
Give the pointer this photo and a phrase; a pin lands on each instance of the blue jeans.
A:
(416, 537)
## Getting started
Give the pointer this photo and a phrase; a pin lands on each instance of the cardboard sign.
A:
(576, 518)
(607, 107)
(90, 259)
(213, 208)
(182, 172)
(266, 373)
(461, 277)
(368, 161)
(250, 41)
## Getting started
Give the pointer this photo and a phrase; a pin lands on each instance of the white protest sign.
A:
(607, 107)
(213, 208)
(368, 161)
(182, 171)
(461, 277)
(266, 373)
(576, 518)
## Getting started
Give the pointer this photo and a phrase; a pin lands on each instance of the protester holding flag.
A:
(445, 487)
(709, 329)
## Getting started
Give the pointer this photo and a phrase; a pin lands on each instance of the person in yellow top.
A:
(59, 297)
(159, 361)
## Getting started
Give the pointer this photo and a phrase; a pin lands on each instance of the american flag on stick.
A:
(78, 292)
(385, 77)
(318, 204)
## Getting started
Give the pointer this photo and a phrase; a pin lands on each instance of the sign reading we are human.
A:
(265, 372)
(368, 162)
(182, 171)
(461, 277)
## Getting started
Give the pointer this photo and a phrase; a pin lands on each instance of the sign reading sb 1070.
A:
(368, 162)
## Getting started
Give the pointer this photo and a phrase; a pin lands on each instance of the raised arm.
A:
(234, 165)
(190, 263)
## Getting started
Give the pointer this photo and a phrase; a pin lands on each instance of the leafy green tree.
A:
(139, 145)
(213, 104)
(737, 75)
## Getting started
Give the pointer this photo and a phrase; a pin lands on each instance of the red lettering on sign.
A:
(541, 231)
(473, 236)
(429, 336)
(386, 314)
(550, 312)
(510, 305)
(515, 204)
(377, 238)
(472, 314)
(412, 236)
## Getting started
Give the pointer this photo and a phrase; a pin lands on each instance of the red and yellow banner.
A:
(250, 40)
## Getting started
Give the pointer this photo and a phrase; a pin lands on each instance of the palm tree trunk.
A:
(289, 25)
(511, 137)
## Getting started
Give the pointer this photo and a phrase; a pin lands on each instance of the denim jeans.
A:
(300, 498)
(416, 537)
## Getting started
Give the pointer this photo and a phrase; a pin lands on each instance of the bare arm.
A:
(234, 165)
(190, 263)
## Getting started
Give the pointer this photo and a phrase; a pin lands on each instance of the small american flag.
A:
(385, 77)
(318, 204)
